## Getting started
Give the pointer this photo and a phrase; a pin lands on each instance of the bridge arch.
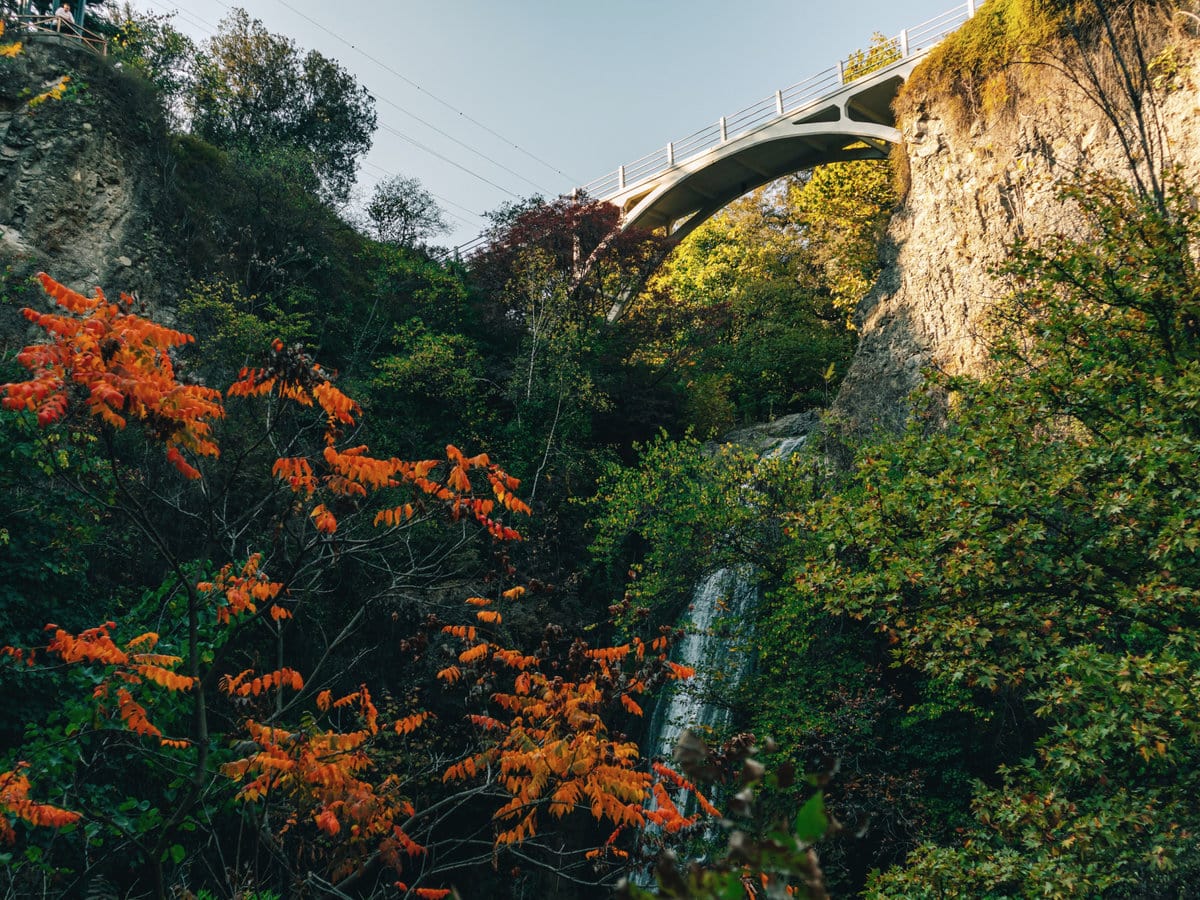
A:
(685, 200)
(855, 122)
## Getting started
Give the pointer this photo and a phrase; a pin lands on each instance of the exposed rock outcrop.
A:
(974, 190)
(80, 177)
(789, 432)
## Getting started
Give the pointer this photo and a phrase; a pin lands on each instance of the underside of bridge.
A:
(685, 202)
(856, 123)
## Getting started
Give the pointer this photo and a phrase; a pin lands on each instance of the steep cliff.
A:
(978, 182)
(81, 187)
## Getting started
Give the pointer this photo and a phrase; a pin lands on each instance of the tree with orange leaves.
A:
(227, 695)
(106, 368)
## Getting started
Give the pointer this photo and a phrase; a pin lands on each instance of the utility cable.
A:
(430, 94)
(413, 115)
(445, 159)
(465, 146)
(382, 174)
(391, 129)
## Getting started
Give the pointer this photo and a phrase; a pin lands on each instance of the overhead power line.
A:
(211, 29)
(383, 173)
(430, 94)
(466, 146)
(412, 114)
(445, 159)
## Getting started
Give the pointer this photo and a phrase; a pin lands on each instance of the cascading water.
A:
(719, 639)
(718, 627)
(720, 656)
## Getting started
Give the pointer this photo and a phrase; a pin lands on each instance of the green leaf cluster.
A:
(1038, 558)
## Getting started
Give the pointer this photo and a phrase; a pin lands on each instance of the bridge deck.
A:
(841, 113)
(908, 46)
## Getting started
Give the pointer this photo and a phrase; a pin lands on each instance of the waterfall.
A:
(718, 628)
(720, 656)
(718, 625)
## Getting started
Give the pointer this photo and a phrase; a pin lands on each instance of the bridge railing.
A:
(789, 100)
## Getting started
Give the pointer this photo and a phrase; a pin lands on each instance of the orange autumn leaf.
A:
(680, 672)
(15, 804)
(241, 685)
(328, 822)
(474, 653)
(323, 519)
(243, 591)
(134, 715)
(122, 363)
(409, 724)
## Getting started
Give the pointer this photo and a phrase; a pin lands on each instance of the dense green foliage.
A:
(981, 632)
(757, 297)
(1056, 566)
(1006, 602)
(511, 354)
(254, 90)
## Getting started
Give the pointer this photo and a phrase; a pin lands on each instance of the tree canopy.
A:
(256, 89)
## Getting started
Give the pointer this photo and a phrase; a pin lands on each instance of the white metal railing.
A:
(785, 102)
(788, 101)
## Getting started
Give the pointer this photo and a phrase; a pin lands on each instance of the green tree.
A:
(1038, 561)
(755, 320)
(254, 89)
(152, 47)
(843, 210)
(403, 213)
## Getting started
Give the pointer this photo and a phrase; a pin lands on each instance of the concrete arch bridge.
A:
(842, 113)
(839, 114)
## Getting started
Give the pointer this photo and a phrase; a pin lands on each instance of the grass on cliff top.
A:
(972, 68)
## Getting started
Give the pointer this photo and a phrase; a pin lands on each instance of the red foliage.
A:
(15, 804)
(129, 666)
(546, 735)
(122, 363)
(320, 775)
(550, 741)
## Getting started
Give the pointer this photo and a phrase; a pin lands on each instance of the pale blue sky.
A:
(583, 86)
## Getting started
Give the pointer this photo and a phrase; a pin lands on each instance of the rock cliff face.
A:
(83, 197)
(80, 192)
(975, 189)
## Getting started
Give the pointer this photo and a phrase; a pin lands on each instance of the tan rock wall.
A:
(974, 190)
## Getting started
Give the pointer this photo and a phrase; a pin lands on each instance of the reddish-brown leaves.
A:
(123, 363)
(15, 804)
(133, 665)
(550, 742)
(551, 747)
(321, 775)
(241, 593)
(242, 685)
(353, 472)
